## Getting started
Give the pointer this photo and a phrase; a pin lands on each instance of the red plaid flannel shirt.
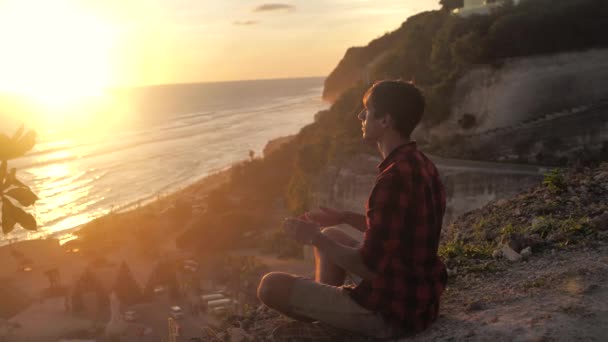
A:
(404, 216)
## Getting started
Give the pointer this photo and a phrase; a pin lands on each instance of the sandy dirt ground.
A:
(554, 297)
(561, 296)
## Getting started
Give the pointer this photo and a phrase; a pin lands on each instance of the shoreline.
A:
(70, 234)
(195, 191)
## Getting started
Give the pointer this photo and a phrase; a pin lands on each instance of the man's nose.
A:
(361, 115)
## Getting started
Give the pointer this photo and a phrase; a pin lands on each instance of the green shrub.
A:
(554, 181)
(567, 230)
(459, 249)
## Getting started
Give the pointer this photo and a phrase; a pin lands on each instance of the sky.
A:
(88, 44)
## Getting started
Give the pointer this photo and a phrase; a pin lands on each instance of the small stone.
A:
(452, 272)
(526, 252)
(501, 202)
(600, 222)
(497, 254)
(475, 306)
(514, 240)
(510, 254)
(590, 288)
(601, 176)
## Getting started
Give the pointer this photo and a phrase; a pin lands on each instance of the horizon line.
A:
(212, 82)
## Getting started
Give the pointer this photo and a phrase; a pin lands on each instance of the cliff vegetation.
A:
(436, 48)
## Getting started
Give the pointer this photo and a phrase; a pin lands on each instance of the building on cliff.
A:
(480, 7)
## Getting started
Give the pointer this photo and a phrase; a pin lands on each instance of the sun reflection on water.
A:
(64, 196)
(55, 170)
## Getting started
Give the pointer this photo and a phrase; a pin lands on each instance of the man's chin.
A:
(367, 140)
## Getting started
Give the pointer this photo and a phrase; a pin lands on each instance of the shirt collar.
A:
(396, 154)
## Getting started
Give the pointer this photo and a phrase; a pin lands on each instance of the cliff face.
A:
(348, 72)
(559, 138)
(543, 110)
(469, 185)
(377, 59)
(524, 89)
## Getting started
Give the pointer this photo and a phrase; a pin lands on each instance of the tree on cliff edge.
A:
(126, 288)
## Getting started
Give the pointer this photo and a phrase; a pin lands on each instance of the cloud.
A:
(246, 22)
(274, 7)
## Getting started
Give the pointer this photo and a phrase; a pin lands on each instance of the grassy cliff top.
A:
(567, 211)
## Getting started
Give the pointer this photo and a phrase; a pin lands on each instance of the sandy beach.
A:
(102, 244)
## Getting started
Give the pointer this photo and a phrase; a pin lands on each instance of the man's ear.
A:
(387, 121)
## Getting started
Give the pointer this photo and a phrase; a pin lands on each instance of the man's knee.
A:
(275, 288)
(339, 236)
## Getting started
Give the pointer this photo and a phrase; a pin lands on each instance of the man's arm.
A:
(346, 257)
(326, 217)
(355, 220)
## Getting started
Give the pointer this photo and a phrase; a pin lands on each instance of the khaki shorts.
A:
(334, 306)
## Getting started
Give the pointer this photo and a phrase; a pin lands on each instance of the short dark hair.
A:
(402, 100)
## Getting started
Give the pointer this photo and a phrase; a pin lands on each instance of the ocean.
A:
(175, 135)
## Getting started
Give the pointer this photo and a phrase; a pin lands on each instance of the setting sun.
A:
(55, 55)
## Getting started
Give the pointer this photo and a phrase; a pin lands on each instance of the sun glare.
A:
(54, 54)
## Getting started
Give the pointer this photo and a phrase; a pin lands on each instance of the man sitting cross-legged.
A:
(402, 276)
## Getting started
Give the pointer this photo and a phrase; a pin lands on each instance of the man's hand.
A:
(326, 217)
(300, 230)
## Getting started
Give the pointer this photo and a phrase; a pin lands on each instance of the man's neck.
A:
(389, 143)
